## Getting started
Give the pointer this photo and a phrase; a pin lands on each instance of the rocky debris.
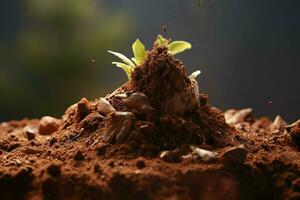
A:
(278, 125)
(118, 127)
(172, 156)
(29, 132)
(104, 107)
(204, 155)
(294, 131)
(48, 125)
(234, 155)
(233, 117)
(139, 102)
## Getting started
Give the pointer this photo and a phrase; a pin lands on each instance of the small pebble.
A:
(205, 155)
(278, 124)
(171, 156)
(234, 155)
(29, 133)
(138, 101)
(239, 116)
(104, 107)
(48, 125)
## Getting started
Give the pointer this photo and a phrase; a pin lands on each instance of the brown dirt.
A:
(156, 137)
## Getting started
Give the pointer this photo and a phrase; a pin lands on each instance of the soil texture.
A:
(155, 137)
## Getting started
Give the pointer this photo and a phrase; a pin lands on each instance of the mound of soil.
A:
(156, 137)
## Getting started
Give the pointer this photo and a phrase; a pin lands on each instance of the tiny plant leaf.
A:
(123, 58)
(161, 41)
(195, 74)
(127, 68)
(178, 47)
(139, 52)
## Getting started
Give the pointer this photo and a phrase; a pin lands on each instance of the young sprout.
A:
(174, 47)
(140, 54)
(139, 58)
(195, 74)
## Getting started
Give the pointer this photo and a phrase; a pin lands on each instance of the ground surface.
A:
(51, 167)
(155, 137)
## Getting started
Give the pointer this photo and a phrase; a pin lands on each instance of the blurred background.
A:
(53, 52)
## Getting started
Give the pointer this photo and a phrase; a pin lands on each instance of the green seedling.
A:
(174, 47)
(140, 54)
(139, 58)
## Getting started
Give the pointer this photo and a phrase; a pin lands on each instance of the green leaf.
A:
(127, 68)
(123, 58)
(139, 52)
(161, 41)
(178, 46)
(195, 74)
